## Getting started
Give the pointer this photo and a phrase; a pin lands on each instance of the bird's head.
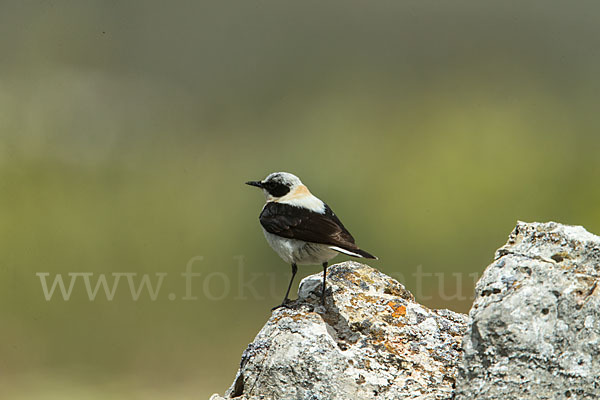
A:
(277, 185)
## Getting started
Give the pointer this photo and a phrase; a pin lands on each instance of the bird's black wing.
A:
(300, 223)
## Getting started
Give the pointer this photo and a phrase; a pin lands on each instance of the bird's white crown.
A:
(284, 178)
(286, 188)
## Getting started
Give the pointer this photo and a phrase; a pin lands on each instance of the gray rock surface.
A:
(372, 340)
(535, 331)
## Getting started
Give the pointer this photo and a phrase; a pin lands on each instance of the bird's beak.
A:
(255, 183)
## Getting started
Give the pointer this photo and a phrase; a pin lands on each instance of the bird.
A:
(301, 228)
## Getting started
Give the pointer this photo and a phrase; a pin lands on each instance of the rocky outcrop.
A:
(533, 332)
(371, 340)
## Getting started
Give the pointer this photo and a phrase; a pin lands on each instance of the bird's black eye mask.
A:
(276, 189)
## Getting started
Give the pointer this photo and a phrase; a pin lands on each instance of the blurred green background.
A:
(127, 130)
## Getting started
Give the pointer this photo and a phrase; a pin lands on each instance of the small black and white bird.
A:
(301, 228)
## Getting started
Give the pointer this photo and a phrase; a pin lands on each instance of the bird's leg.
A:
(285, 299)
(324, 277)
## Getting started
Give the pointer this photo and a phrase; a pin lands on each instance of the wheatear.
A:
(301, 228)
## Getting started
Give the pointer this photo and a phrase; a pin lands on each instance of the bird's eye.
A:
(277, 189)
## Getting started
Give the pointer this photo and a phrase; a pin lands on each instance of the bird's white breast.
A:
(298, 251)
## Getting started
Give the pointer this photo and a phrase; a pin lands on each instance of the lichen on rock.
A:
(533, 332)
(371, 340)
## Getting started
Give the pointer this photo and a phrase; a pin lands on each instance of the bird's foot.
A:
(286, 303)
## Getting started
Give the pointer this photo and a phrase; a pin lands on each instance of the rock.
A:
(371, 340)
(535, 331)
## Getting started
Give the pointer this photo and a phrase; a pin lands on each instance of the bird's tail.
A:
(365, 254)
(354, 252)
